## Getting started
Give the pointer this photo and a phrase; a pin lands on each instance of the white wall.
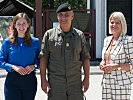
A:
(101, 24)
(88, 4)
(100, 6)
(132, 17)
(98, 28)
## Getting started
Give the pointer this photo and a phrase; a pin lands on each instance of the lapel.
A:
(116, 49)
(118, 46)
(108, 41)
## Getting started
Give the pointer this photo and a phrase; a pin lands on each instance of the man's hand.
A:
(45, 86)
(85, 84)
(86, 67)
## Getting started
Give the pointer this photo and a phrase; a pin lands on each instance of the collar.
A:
(119, 39)
(72, 32)
(118, 44)
(109, 40)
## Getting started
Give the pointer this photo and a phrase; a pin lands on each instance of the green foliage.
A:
(53, 4)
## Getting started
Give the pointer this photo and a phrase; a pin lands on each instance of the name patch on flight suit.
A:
(57, 43)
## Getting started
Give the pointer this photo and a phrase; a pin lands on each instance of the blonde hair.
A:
(119, 16)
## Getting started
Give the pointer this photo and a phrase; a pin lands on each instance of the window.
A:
(124, 6)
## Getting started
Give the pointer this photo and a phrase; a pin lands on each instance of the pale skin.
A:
(116, 28)
(64, 19)
(21, 26)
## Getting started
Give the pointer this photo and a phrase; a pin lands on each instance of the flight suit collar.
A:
(62, 33)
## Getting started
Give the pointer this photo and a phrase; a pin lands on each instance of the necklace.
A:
(113, 43)
(21, 44)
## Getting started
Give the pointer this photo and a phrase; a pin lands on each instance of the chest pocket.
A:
(55, 47)
(78, 45)
(77, 48)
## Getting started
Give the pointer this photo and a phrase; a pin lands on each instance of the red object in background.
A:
(9, 29)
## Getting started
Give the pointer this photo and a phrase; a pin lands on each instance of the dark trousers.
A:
(18, 87)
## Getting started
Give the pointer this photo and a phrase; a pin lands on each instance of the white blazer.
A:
(120, 54)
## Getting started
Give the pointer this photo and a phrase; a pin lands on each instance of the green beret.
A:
(64, 7)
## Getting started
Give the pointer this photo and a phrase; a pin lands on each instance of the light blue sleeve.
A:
(4, 57)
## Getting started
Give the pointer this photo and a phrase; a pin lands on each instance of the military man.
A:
(64, 52)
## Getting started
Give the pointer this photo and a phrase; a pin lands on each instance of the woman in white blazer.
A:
(117, 60)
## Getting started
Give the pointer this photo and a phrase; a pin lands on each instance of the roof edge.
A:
(25, 5)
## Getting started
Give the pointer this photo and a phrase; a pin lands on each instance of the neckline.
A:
(20, 37)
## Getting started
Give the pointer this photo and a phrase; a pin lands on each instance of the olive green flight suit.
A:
(65, 53)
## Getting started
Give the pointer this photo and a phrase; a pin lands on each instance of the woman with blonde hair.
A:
(19, 57)
(117, 60)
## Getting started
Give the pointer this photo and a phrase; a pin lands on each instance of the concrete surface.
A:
(94, 92)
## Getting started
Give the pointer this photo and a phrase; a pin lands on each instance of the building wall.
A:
(124, 6)
(132, 17)
(101, 23)
(99, 5)
(98, 28)
(100, 34)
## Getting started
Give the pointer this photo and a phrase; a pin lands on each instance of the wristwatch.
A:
(35, 65)
(131, 67)
(119, 68)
